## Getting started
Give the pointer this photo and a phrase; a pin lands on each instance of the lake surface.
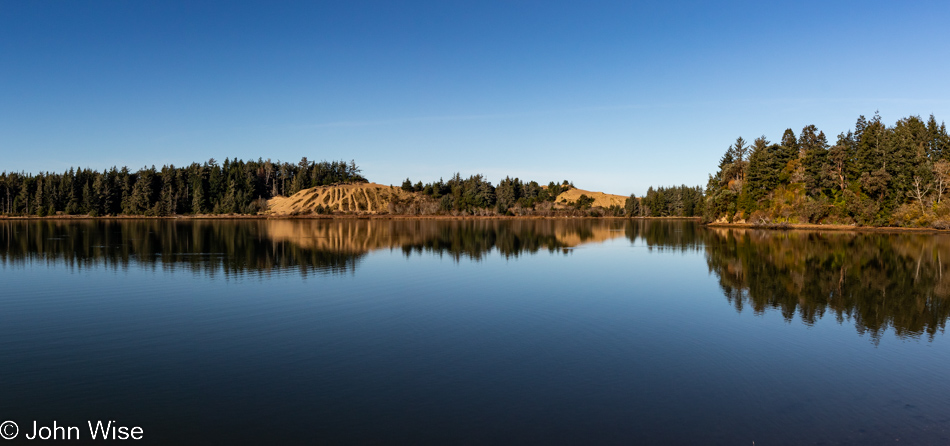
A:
(475, 332)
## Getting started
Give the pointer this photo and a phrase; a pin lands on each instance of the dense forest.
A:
(477, 195)
(872, 175)
(243, 187)
(234, 187)
(679, 201)
(515, 197)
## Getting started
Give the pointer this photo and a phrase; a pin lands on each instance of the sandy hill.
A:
(600, 199)
(367, 198)
(372, 198)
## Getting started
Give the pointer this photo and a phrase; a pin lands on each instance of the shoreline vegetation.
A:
(821, 227)
(251, 188)
(338, 217)
(353, 216)
(874, 176)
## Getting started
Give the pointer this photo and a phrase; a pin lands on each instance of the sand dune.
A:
(600, 199)
(359, 198)
(372, 198)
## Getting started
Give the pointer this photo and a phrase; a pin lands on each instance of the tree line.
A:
(476, 195)
(676, 201)
(243, 187)
(513, 196)
(235, 186)
(873, 174)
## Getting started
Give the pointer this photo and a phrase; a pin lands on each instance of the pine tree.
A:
(631, 206)
(198, 205)
(740, 149)
(840, 161)
(786, 156)
(761, 175)
(813, 147)
(141, 201)
(938, 146)
(39, 200)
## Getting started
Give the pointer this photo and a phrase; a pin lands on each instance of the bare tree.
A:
(919, 192)
(941, 178)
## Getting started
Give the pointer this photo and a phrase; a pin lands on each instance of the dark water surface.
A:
(475, 332)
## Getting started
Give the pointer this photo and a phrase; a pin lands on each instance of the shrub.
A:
(910, 215)
(940, 224)
(817, 210)
(760, 218)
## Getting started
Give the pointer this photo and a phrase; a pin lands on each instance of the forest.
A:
(232, 187)
(679, 201)
(243, 187)
(874, 175)
(477, 195)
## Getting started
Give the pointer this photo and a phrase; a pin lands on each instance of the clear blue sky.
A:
(615, 96)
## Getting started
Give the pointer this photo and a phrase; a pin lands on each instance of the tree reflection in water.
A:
(262, 246)
(874, 280)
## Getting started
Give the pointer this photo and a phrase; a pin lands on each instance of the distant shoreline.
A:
(768, 227)
(339, 217)
(818, 227)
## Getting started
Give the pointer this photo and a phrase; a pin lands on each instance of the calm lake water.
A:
(475, 332)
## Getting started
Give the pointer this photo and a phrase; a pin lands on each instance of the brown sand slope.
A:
(364, 198)
(600, 199)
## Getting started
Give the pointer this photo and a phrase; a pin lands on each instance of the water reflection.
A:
(877, 281)
(207, 247)
(240, 246)
(671, 235)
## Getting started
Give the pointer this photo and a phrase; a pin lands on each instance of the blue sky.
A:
(615, 96)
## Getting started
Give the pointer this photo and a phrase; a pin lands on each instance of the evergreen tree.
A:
(786, 157)
(841, 161)
(761, 175)
(39, 201)
(938, 144)
(631, 206)
(813, 145)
